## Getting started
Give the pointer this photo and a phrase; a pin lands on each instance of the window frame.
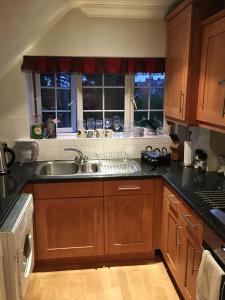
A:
(73, 109)
(77, 101)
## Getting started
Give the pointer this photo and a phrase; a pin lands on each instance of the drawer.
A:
(174, 202)
(68, 189)
(128, 187)
(191, 223)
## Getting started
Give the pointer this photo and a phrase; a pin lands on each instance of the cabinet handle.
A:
(223, 113)
(186, 217)
(129, 188)
(181, 102)
(221, 82)
(193, 263)
(177, 234)
(172, 202)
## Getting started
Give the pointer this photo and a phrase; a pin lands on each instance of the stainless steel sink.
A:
(91, 167)
(54, 168)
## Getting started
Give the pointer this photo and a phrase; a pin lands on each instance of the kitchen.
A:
(115, 210)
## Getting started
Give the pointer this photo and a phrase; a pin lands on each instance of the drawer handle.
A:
(181, 102)
(186, 217)
(177, 234)
(193, 263)
(172, 202)
(129, 188)
(223, 112)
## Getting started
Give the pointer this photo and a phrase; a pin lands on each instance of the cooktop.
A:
(215, 200)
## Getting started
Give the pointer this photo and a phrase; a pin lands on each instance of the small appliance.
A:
(5, 163)
(200, 160)
(27, 150)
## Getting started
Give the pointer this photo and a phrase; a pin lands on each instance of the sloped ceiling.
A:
(24, 22)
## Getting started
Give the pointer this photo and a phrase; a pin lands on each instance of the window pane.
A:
(114, 98)
(63, 99)
(64, 119)
(92, 80)
(142, 79)
(141, 96)
(158, 79)
(156, 101)
(119, 114)
(63, 80)
(47, 80)
(48, 99)
(114, 80)
(95, 115)
(140, 118)
(47, 115)
(92, 99)
(157, 118)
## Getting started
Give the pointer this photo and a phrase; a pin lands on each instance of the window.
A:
(57, 100)
(103, 100)
(148, 95)
(100, 100)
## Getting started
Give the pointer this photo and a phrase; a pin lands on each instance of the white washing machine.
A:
(16, 235)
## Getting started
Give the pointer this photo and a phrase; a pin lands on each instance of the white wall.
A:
(78, 35)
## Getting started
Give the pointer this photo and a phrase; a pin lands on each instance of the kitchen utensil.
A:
(4, 163)
(155, 157)
(26, 150)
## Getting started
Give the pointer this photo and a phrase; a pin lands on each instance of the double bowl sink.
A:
(91, 167)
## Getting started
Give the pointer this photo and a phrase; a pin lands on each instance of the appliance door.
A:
(26, 258)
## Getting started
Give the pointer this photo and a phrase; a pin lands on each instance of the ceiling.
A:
(24, 22)
(148, 9)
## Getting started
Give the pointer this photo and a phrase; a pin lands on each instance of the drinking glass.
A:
(108, 122)
(116, 123)
(90, 123)
(98, 124)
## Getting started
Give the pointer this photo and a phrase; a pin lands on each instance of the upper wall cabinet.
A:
(211, 105)
(183, 59)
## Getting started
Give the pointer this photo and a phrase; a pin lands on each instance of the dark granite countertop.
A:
(185, 181)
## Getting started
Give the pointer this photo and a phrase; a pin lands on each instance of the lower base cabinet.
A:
(182, 234)
(70, 227)
(128, 224)
(112, 220)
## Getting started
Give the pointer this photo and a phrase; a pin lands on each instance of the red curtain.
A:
(92, 65)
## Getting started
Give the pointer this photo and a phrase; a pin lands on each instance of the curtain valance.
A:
(92, 65)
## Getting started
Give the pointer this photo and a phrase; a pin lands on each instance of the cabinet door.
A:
(177, 62)
(190, 253)
(211, 104)
(128, 222)
(171, 233)
(70, 227)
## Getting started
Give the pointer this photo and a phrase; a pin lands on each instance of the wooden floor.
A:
(140, 282)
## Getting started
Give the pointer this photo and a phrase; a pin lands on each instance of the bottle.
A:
(37, 128)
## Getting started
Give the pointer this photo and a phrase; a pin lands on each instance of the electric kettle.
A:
(4, 163)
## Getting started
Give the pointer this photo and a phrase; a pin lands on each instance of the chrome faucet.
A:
(80, 158)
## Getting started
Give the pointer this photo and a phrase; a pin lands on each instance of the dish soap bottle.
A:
(37, 129)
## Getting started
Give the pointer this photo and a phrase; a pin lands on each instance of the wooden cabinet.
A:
(182, 234)
(183, 59)
(128, 216)
(70, 227)
(128, 224)
(69, 219)
(171, 232)
(211, 101)
(74, 220)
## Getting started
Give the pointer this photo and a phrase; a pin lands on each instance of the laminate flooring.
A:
(142, 282)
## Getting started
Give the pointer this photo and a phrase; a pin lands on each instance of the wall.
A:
(77, 35)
